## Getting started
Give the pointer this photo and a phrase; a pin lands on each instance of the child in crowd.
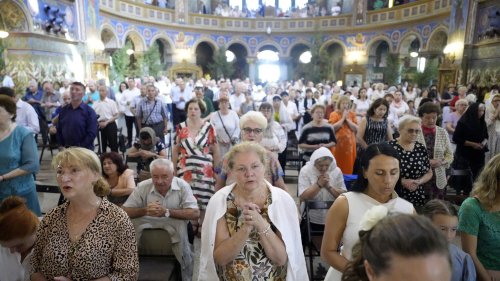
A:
(445, 217)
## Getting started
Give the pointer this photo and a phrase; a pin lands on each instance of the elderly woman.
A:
(415, 165)
(18, 157)
(436, 140)
(345, 124)
(450, 120)
(18, 235)
(320, 180)
(317, 133)
(252, 227)
(492, 119)
(479, 223)
(275, 138)
(379, 175)
(87, 237)
(226, 124)
(252, 126)
(119, 177)
(470, 136)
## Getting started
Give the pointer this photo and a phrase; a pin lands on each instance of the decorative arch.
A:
(441, 28)
(333, 41)
(241, 42)
(300, 42)
(209, 41)
(14, 20)
(108, 32)
(137, 39)
(269, 43)
(162, 37)
(379, 38)
(406, 42)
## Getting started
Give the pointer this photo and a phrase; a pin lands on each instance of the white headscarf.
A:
(311, 171)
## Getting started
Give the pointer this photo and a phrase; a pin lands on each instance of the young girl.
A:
(445, 217)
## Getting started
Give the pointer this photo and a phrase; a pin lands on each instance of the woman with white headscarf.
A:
(320, 180)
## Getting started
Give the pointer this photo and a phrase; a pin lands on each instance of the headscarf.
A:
(154, 139)
(476, 127)
(312, 173)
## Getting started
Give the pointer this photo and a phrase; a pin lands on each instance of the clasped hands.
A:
(155, 209)
(252, 218)
(323, 181)
(410, 184)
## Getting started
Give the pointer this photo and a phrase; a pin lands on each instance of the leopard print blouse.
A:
(108, 246)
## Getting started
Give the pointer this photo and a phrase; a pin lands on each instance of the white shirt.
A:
(291, 108)
(11, 268)
(106, 109)
(7, 81)
(236, 101)
(128, 97)
(26, 116)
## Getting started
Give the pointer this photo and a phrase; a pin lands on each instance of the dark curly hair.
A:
(117, 159)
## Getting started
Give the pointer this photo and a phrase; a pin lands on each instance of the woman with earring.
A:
(87, 237)
(345, 124)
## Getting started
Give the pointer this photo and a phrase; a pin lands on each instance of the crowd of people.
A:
(211, 159)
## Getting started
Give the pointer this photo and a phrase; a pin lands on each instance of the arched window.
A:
(234, 3)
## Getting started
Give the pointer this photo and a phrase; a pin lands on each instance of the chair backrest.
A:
(315, 205)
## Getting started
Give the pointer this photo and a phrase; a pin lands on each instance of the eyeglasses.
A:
(266, 110)
(250, 130)
(245, 170)
(413, 131)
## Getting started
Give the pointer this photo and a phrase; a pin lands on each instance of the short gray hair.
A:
(407, 119)
(254, 116)
(162, 162)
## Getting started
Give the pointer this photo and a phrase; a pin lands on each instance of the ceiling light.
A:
(130, 52)
(413, 54)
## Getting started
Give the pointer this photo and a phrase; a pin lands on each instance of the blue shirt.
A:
(94, 97)
(463, 268)
(77, 126)
(36, 96)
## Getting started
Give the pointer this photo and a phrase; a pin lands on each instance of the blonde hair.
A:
(407, 119)
(486, 185)
(84, 158)
(247, 146)
(254, 116)
(342, 99)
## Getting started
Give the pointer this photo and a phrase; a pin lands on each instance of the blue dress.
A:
(19, 150)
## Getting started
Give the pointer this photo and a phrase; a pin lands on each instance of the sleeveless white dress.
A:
(359, 203)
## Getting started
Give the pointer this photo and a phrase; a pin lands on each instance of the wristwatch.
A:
(167, 213)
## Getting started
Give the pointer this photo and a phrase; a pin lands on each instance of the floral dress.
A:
(251, 263)
(195, 161)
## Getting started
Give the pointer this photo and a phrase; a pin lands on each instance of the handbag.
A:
(233, 140)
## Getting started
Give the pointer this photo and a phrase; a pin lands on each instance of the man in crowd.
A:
(50, 99)
(200, 94)
(180, 94)
(25, 114)
(152, 112)
(107, 110)
(77, 125)
(238, 97)
(165, 202)
(127, 101)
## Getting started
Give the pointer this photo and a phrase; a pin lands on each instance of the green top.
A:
(476, 221)
(209, 105)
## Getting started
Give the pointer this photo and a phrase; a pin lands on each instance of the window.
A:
(234, 3)
(301, 3)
